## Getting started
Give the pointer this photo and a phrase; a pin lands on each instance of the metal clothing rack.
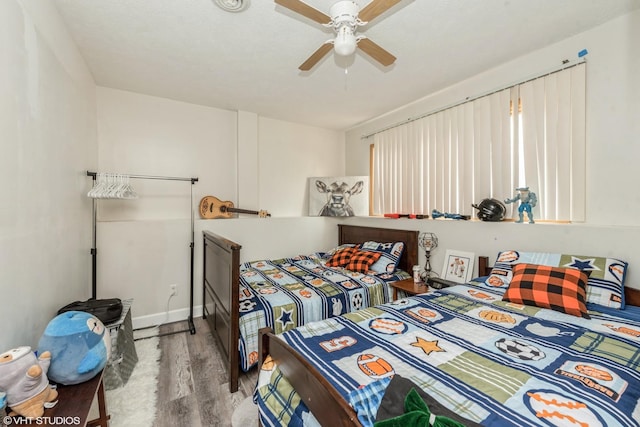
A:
(94, 251)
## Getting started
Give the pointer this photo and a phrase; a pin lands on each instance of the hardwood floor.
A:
(193, 387)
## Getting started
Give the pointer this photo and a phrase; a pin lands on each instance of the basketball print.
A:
(305, 293)
(348, 284)
(388, 326)
(316, 282)
(519, 349)
(557, 409)
(268, 364)
(253, 357)
(368, 280)
(374, 366)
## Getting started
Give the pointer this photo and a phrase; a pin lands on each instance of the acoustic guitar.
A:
(212, 207)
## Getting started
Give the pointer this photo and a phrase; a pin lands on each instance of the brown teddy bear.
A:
(24, 379)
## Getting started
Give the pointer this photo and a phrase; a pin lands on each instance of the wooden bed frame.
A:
(326, 404)
(221, 281)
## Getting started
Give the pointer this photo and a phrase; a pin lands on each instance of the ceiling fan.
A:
(344, 17)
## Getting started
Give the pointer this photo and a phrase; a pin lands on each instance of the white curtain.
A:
(553, 137)
(445, 161)
(453, 158)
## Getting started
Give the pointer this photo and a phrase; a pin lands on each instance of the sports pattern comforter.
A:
(286, 293)
(494, 363)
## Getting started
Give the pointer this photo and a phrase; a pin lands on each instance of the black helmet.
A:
(491, 210)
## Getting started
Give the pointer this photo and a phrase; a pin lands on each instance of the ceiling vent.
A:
(232, 5)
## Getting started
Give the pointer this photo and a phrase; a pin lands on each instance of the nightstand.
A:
(409, 287)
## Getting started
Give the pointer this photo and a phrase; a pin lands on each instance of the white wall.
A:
(613, 108)
(255, 162)
(146, 135)
(289, 153)
(48, 140)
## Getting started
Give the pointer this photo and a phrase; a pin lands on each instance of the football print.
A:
(374, 366)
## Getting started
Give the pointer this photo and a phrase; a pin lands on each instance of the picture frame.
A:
(338, 196)
(458, 266)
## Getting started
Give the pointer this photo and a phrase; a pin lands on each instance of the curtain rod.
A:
(564, 66)
(164, 178)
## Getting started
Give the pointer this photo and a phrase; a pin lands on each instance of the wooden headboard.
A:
(360, 234)
(631, 296)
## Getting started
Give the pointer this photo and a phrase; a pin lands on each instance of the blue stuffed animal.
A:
(3, 403)
(79, 344)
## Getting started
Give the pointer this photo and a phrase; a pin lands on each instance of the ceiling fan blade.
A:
(305, 10)
(376, 52)
(375, 8)
(316, 57)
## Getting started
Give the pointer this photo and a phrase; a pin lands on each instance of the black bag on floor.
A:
(107, 310)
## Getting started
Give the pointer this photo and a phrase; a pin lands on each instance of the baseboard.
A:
(157, 319)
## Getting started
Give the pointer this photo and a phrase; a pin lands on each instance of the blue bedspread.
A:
(285, 293)
(492, 362)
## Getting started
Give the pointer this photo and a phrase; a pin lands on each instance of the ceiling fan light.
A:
(345, 43)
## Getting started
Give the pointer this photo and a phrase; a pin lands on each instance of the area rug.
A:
(134, 404)
(246, 414)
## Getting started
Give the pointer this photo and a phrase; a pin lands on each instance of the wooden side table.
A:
(409, 287)
(74, 403)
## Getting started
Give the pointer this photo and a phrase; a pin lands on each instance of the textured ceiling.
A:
(193, 51)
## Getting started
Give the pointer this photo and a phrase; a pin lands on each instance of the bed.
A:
(489, 361)
(236, 296)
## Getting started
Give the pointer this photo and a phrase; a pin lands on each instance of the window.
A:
(484, 148)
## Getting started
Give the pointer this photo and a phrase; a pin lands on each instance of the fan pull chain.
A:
(346, 79)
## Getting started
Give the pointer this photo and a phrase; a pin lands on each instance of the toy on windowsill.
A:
(528, 201)
(437, 214)
(79, 345)
(490, 210)
(412, 216)
(24, 380)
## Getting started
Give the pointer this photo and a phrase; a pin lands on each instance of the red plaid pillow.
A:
(560, 289)
(361, 261)
(341, 257)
